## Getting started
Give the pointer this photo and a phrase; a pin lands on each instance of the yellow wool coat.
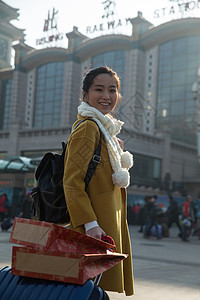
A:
(102, 201)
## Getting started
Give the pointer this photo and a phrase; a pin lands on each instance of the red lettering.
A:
(51, 38)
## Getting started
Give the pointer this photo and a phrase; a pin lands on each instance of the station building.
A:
(157, 66)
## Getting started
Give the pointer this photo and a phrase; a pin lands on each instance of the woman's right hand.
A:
(96, 232)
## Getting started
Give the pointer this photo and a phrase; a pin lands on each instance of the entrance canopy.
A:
(18, 164)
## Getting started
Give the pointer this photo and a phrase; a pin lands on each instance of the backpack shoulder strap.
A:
(94, 161)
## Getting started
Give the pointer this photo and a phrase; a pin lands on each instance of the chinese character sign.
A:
(50, 22)
(109, 7)
(52, 36)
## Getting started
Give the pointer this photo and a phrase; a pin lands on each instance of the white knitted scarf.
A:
(110, 127)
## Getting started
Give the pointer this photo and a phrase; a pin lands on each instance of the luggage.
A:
(56, 253)
(6, 224)
(14, 287)
(153, 230)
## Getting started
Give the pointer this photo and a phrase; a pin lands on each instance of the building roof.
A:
(170, 30)
(11, 31)
(7, 12)
(16, 164)
(35, 57)
(103, 43)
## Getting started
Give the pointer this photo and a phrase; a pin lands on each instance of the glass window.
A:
(167, 68)
(50, 82)
(164, 97)
(189, 110)
(177, 108)
(58, 84)
(178, 78)
(192, 49)
(39, 93)
(165, 75)
(178, 92)
(165, 91)
(166, 60)
(41, 75)
(49, 95)
(191, 72)
(41, 81)
(157, 168)
(49, 86)
(113, 59)
(193, 64)
(57, 101)
(166, 83)
(56, 109)
(40, 99)
(190, 80)
(179, 46)
(48, 107)
(39, 106)
(178, 63)
(5, 103)
(191, 57)
(38, 118)
(51, 69)
(59, 71)
(192, 41)
(146, 171)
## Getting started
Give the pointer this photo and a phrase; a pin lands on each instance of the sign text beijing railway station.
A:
(109, 21)
(178, 8)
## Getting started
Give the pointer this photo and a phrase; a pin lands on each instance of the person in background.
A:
(173, 215)
(144, 213)
(101, 209)
(151, 219)
(26, 205)
(4, 205)
(136, 212)
(168, 182)
(189, 209)
(189, 212)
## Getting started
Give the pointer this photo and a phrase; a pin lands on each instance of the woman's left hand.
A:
(96, 232)
(121, 143)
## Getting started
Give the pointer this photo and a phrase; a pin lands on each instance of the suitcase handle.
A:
(97, 279)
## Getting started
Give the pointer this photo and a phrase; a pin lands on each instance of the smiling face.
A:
(103, 93)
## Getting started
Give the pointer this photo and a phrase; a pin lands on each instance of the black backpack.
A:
(48, 196)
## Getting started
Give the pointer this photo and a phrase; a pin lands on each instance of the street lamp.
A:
(196, 97)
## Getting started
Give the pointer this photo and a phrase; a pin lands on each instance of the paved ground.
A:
(163, 269)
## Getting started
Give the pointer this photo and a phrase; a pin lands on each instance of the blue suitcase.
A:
(154, 233)
(13, 287)
(153, 230)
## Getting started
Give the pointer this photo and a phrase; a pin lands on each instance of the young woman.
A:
(101, 208)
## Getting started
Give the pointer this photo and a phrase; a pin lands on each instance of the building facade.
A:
(156, 65)
(8, 33)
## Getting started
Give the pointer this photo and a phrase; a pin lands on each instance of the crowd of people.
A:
(153, 220)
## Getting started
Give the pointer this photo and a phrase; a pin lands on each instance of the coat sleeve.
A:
(80, 149)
